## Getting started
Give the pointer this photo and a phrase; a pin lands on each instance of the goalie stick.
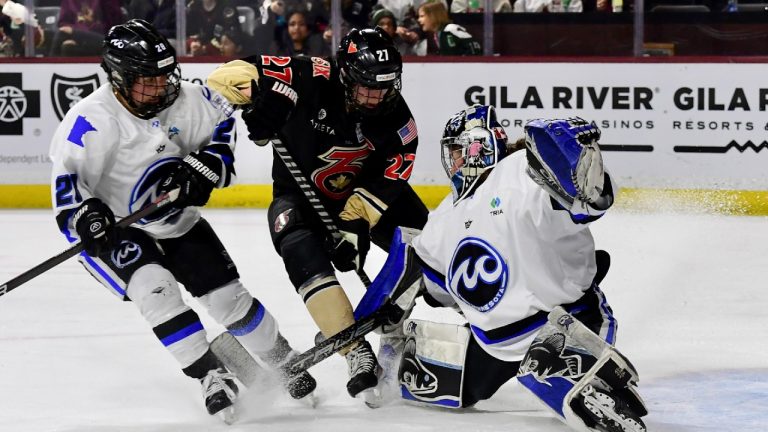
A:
(160, 202)
(306, 187)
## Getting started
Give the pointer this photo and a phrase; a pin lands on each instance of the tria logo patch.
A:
(352, 48)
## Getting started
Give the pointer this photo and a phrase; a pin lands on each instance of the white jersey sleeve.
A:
(102, 150)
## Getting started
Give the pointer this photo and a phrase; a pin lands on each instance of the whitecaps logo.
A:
(126, 254)
(478, 274)
(145, 190)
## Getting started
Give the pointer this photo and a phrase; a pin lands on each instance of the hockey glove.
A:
(350, 252)
(95, 224)
(564, 158)
(272, 103)
(195, 177)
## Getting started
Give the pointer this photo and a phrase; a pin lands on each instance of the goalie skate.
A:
(608, 413)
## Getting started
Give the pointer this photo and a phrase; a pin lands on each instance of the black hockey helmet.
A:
(136, 49)
(368, 58)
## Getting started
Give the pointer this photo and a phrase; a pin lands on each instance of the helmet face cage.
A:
(141, 65)
(473, 142)
(368, 60)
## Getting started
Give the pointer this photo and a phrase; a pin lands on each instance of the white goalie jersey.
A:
(504, 254)
(101, 150)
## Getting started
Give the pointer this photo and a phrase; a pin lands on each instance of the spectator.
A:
(82, 26)
(548, 6)
(206, 22)
(12, 28)
(447, 38)
(404, 12)
(357, 12)
(232, 42)
(476, 6)
(404, 39)
(297, 38)
(317, 16)
(160, 13)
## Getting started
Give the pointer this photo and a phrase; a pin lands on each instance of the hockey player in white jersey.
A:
(512, 251)
(143, 134)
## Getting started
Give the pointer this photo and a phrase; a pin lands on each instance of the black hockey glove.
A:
(350, 252)
(272, 103)
(95, 224)
(195, 177)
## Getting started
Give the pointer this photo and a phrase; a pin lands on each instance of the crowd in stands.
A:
(237, 28)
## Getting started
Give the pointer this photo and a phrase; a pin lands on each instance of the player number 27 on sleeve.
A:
(400, 167)
(286, 75)
(66, 190)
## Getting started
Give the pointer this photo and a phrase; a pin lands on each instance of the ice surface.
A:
(689, 292)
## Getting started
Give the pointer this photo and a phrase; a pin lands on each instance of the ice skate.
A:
(609, 413)
(363, 369)
(220, 392)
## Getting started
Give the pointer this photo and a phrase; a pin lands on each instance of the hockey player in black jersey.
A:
(353, 136)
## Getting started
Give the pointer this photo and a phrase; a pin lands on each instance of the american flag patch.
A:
(408, 132)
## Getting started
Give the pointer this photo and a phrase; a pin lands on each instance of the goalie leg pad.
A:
(582, 378)
(432, 367)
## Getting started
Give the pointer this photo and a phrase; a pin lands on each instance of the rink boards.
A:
(682, 134)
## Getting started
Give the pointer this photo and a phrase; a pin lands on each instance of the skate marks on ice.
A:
(719, 400)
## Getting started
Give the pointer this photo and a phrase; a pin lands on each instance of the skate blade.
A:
(373, 398)
(228, 415)
(311, 400)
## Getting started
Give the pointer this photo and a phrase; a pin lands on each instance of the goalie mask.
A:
(370, 67)
(142, 68)
(473, 142)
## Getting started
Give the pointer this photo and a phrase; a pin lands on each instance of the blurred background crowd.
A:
(237, 28)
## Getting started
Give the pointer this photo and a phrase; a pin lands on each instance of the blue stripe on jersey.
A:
(181, 334)
(115, 286)
(434, 277)
(226, 158)
(515, 331)
(64, 228)
(252, 324)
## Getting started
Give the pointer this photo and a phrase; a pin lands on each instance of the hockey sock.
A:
(328, 305)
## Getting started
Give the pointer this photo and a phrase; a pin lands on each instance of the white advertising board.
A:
(665, 125)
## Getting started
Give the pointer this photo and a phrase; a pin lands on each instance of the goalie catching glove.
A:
(564, 158)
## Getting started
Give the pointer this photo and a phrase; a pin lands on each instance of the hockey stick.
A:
(160, 202)
(306, 187)
(333, 344)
